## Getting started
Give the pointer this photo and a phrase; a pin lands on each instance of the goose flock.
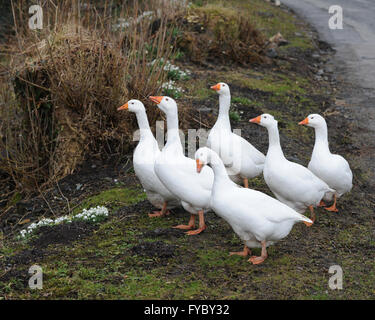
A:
(211, 181)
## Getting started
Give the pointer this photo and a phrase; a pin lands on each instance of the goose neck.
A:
(321, 138)
(274, 146)
(144, 126)
(173, 134)
(224, 106)
(220, 173)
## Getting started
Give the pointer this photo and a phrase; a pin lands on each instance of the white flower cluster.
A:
(171, 85)
(33, 226)
(169, 67)
(92, 215)
(174, 74)
(176, 69)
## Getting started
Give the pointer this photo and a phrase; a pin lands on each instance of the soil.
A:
(90, 178)
(154, 249)
(62, 234)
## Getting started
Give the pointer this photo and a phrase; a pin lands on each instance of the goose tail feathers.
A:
(305, 219)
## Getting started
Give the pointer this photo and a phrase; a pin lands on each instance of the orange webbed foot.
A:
(188, 226)
(157, 214)
(245, 252)
(308, 224)
(195, 232)
(256, 260)
(332, 209)
(321, 204)
(183, 227)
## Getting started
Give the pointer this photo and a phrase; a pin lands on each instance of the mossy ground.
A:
(130, 256)
(268, 19)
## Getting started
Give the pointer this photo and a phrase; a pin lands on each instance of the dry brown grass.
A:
(61, 85)
(214, 32)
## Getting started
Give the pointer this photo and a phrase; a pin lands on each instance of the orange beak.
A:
(157, 100)
(255, 120)
(306, 121)
(216, 87)
(199, 165)
(123, 107)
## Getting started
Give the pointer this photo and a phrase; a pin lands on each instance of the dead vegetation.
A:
(60, 86)
(67, 82)
(214, 32)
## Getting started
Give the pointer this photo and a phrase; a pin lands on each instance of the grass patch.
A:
(112, 198)
(242, 100)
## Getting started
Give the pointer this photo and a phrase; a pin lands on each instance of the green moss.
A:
(234, 116)
(267, 18)
(202, 93)
(270, 84)
(242, 100)
(113, 198)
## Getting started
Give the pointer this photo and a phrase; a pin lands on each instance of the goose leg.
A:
(163, 212)
(321, 204)
(263, 256)
(202, 225)
(246, 183)
(243, 253)
(312, 213)
(189, 226)
(333, 207)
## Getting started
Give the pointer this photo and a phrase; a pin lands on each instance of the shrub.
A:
(215, 32)
(62, 90)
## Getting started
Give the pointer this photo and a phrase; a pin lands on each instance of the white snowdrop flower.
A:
(91, 214)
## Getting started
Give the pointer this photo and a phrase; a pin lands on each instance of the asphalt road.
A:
(355, 43)
(354, 64)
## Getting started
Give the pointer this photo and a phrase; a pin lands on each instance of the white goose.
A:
(290, 182)
(144, 157)
(258, 219)
(178, 173)
(241, 159)
(331, 168)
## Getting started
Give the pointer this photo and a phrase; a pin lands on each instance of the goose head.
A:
(202, 157)
(133, 106)
(221, 88)
(265, 120)
(165, 104)
(313, 120)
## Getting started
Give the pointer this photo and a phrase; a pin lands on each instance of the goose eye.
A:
(265, 117)
(166, 99)
(312, 117)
